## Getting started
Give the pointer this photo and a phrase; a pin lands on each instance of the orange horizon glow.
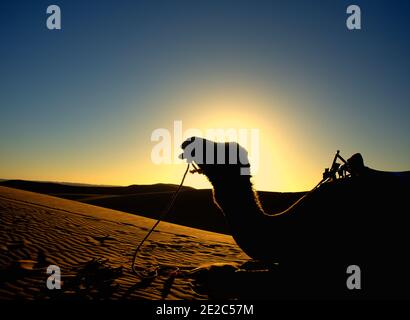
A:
(235, 108)
(293, 152)
(80, 105)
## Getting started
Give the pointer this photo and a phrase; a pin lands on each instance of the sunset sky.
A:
(80, 104)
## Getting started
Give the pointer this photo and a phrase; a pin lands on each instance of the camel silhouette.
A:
(360, 220)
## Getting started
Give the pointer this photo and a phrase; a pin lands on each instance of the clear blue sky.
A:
(80, 104)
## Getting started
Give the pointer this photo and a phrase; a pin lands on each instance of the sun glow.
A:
(123, 157)
(244, 109)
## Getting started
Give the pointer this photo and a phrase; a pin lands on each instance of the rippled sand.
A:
(39, 230)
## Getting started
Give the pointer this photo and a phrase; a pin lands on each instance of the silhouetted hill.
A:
(193, 207)
(80, 189)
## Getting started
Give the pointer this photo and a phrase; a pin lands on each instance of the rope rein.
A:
(153, 273)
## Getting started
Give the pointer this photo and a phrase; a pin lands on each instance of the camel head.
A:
(218, 161)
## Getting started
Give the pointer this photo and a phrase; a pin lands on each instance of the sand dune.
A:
(39, 230)
(193, 208)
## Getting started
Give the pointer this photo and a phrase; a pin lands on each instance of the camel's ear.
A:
(188, 142)
(193, 150)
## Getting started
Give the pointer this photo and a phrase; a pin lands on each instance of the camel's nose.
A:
(184, 145)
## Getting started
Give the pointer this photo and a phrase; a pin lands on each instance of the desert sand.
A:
(150, 200)
(93, 247)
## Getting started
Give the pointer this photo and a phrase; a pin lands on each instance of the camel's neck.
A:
(242, 209)
(250, 226)
(238, 195)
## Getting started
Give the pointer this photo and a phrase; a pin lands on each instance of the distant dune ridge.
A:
(194, 208)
